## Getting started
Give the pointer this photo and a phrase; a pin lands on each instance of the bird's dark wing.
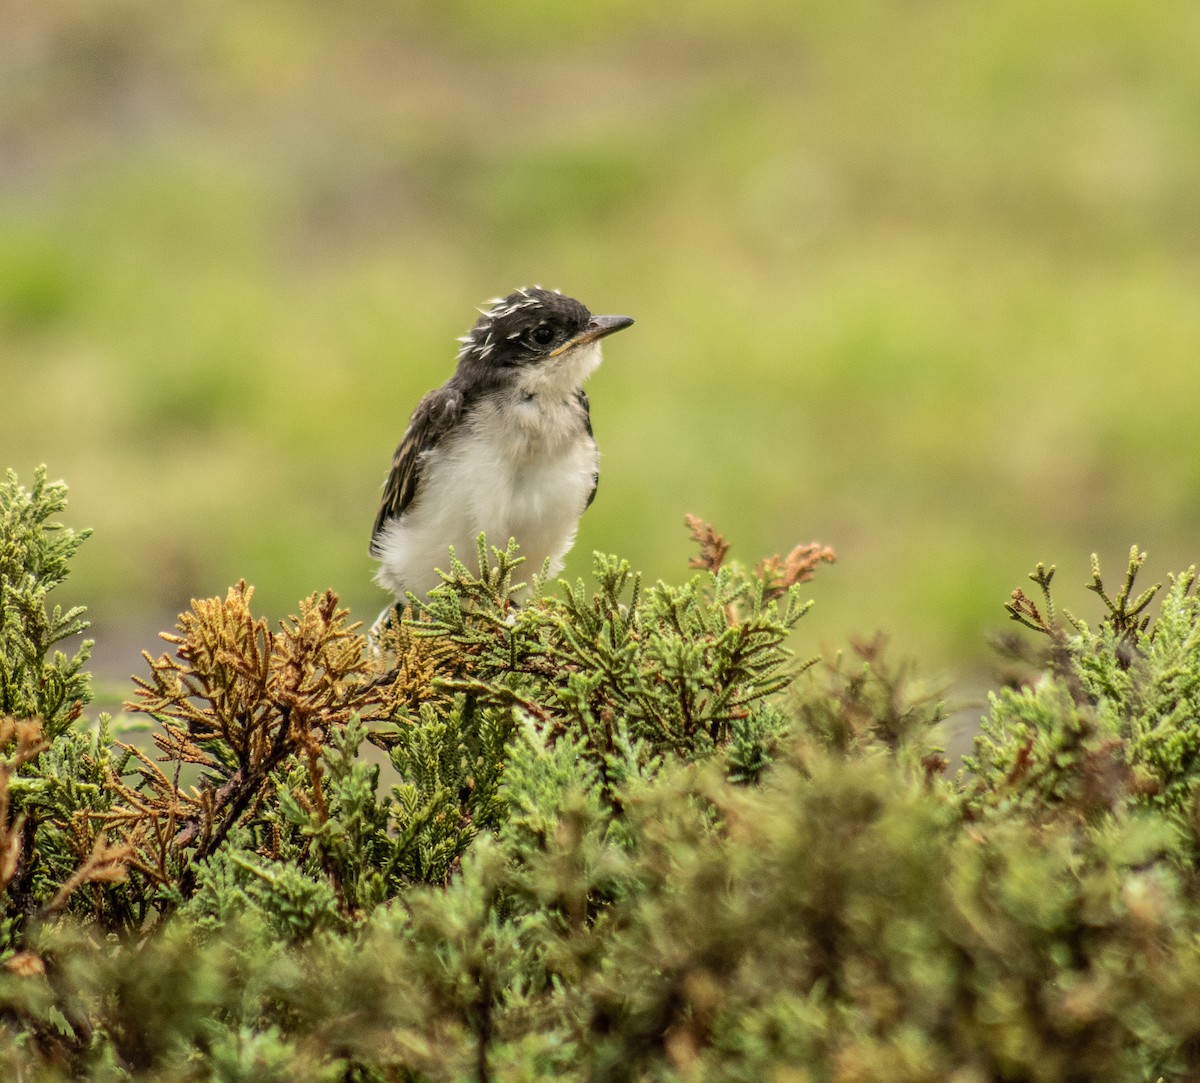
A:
(581, 397)
(434, 416)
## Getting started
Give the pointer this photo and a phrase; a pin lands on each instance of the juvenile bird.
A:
(505, 446)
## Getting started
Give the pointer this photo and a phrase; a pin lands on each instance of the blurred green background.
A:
(917, 279)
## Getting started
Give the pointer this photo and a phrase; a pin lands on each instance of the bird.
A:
(504, 447)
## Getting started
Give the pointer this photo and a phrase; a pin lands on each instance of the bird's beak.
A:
(597, 328)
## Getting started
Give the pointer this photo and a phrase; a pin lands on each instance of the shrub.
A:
(616, 833)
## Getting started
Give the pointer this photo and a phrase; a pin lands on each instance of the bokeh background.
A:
(917, 279)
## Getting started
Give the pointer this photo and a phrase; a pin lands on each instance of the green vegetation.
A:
(625, 836)
(915, 279)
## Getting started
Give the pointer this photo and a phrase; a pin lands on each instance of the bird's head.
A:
(535, 334)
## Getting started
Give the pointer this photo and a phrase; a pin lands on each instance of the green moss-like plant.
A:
(613, 838)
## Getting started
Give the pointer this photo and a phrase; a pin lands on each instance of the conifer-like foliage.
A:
(34, 555)
(240, 702)
(1115, 722)
(51, 771)
(615, 832)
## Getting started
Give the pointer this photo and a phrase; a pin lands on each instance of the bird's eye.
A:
(543, 335)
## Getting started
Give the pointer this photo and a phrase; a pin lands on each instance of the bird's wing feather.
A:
(582, 398)
(434, 416)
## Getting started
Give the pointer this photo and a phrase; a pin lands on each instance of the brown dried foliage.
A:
(799, 566)
(107, 863)
(239, 700)
(713, 546)
(22, 742)
(415, 662)
(777, 573)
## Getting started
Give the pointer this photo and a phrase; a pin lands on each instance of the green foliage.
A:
(34, 555)
(607, 835)
(663, 671)
(1116, 720)
(51, 772)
